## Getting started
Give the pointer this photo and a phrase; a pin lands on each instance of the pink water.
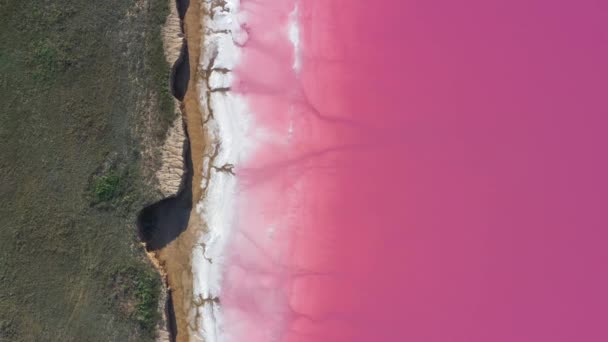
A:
(437, 171)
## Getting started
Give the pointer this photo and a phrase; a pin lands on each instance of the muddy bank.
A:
(170, 227)
(161, 225)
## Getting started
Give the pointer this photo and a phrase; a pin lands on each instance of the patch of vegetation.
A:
(47, 59)
(79, 80)
(106, 187)
(147, 294)
(114, 189)
(138, 291)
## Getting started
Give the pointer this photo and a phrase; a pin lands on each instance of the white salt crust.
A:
(227, 130)
(233, 138)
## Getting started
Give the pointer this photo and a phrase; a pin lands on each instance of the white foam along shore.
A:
(227, 129)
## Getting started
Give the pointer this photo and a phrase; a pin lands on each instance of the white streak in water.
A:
(294, 38)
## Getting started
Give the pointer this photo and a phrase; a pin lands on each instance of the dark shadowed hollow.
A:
(180, 74)
(182, 7)
(171, 322)
(163, 221)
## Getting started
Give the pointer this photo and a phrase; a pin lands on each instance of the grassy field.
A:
(82, 85)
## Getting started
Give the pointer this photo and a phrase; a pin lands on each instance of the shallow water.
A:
(431, 171)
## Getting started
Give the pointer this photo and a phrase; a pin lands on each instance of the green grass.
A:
(115, 189)
(84, 85)
(137, 289)
(106, 187)
(147, 294)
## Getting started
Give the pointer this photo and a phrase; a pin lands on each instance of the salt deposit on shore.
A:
(227, 124)
(233, 138)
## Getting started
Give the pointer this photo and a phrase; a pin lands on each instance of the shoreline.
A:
(217, 121)
(226, 124)
(182, 38)
(177, 255)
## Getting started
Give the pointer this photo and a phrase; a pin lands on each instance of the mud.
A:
(170, 227)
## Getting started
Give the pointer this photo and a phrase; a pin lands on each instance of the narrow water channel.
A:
(180, 74)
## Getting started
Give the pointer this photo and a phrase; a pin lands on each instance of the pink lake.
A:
(431, 171)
